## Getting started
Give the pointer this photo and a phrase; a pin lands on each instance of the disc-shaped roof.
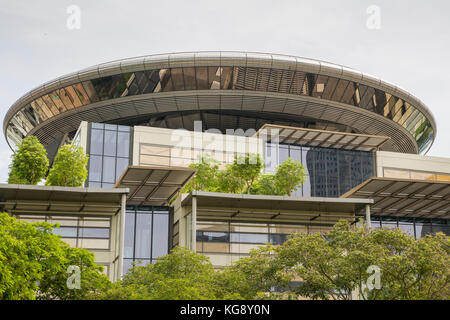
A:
(246, 83)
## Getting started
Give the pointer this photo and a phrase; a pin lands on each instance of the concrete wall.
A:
(405, 161)
(219, 146)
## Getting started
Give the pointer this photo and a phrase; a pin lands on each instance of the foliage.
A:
(180, 275)
(205, 178)
(289, 175)
(267, 184)
(34, 262)
(335, 266)
(69, 167)
(30, 163)
(244, 176)
(247, 168)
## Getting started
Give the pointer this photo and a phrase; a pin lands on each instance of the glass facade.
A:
(415, 227)
(415, 175)
(109, 153)
(146, 235)
(221, 78)
(240, 238)
(78, 231)
(329, 172)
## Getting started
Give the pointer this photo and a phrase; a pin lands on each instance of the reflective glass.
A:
(96, 142)
(160, 244)
(143, 235)
(129, 235)
(95, 168)
(109, 170)
(110, 143)
(123, 144)
(94, 233)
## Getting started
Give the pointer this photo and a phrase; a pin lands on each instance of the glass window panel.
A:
(278, 238)
(344, 161)
(73, 96)
(109, 169)
(284, 154)
(90, 91)
(438, 227)
(127, 264)
(65, 232)
(112, 127)
(129, 235)
(295, 153)
(96, 141)
(123, 128)
(407, 228)
(226, 78)
(94, 184)
(160, 244)
(107, 185)
(214, 237)
(216, 247)
(332, 174)
(122, 164)
(143, 235)
(95, 168)
(422, 229)
(81, 94)
(110, 143)
(94, 233)
(123, 144)
(202, 78)
(98, 125)
(249, 238)
(340, 90)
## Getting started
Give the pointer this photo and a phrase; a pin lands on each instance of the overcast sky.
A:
(411, 47)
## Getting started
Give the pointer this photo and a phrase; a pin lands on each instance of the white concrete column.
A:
(194, 224)
(121, 224)
(368, 220)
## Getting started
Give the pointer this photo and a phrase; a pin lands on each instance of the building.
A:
(144, 120)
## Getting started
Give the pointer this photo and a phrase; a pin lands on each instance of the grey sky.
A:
(411, 49)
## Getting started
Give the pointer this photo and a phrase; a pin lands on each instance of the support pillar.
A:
(368, 220)
(194, 224)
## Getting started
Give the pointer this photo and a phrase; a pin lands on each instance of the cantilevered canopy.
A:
(273, 209)
(321, 138)
(44, 200)
(405, 198)
(153, 185)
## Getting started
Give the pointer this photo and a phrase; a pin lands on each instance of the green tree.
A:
(268, 184)
(34, 262)
(248, 169)
(228, 182)
(180, 275)
(69, 167)
(30, 163)
(335, 265)
(289, 176)
(206, 177)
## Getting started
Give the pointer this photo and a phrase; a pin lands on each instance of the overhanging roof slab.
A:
(322, 138)
(152, 185)
(405, 197)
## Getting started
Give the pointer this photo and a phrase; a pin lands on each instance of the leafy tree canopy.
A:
(180, 275)
(69, 167)
(336, 266)
(34, 262)
(30, 163)
(244, 176)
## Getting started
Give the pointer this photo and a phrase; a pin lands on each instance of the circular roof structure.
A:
(217, 87)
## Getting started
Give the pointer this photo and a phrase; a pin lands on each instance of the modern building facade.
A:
(144, 120)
